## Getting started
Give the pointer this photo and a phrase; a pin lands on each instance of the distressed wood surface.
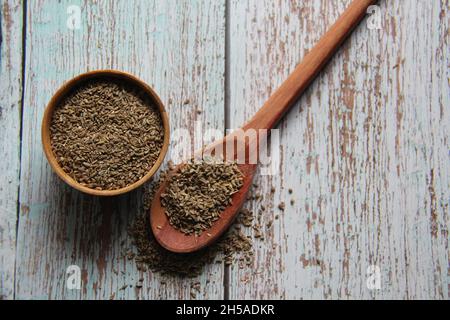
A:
(365, 151)
(10, 104)
(175, 46)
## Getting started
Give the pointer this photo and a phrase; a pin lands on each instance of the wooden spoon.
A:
(266, 118)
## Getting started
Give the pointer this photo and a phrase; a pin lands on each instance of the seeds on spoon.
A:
(198, 193)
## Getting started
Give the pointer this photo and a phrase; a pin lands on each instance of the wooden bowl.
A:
(67, 88)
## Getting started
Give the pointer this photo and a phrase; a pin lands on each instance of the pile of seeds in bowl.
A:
(106, 134)
(233, 246)
(198, 193)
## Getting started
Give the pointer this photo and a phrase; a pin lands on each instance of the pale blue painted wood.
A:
(366, 151)
(10, 103)
(175, 46)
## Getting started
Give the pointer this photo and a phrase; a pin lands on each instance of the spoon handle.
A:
(297, 82)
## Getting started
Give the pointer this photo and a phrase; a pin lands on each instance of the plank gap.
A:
(226, 275)
(24, 35)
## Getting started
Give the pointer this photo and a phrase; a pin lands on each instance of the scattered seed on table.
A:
(231, 246)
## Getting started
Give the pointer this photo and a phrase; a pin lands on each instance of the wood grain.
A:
(10, 104)
(175, 46)
(366, 151)
(282, 99)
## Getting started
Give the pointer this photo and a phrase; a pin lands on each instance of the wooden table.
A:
(366, 150)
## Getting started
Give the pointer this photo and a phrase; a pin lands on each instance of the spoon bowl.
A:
(176, 241)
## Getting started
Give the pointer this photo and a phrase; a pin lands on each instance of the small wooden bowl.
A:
(67, 88)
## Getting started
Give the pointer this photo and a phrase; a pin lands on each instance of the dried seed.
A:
(198, 193)
(232, 246)
(106, 134)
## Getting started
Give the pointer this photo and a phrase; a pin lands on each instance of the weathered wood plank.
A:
(366, 151)
(10, 104)
(176, 46)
